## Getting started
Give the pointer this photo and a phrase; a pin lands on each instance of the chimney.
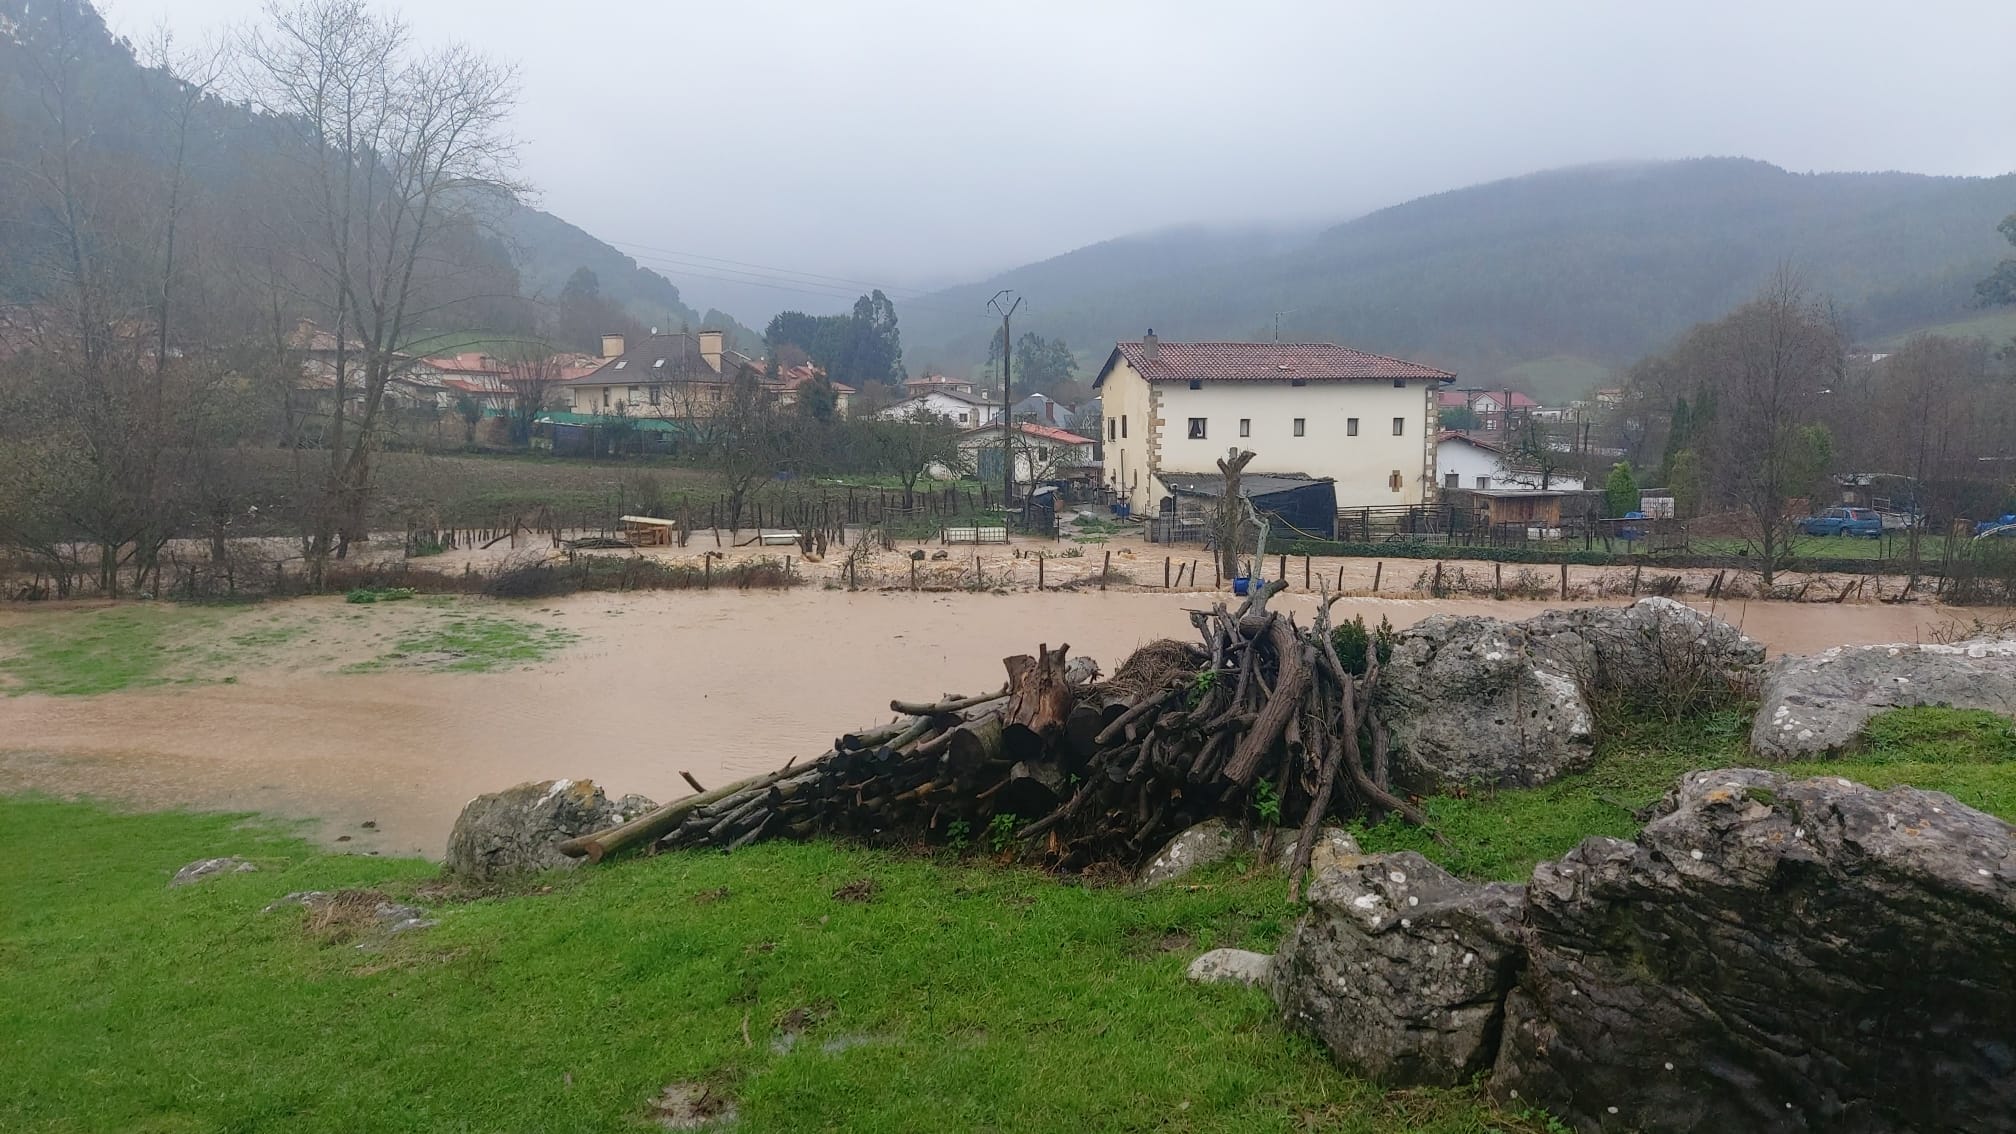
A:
(710, 350)
(612, 345)
(1151, 347)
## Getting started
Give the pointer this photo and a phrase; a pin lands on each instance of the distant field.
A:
(1997, 327)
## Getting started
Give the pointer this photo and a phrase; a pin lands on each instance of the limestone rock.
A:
(1209, 842)
(1638, 649)
(633, 805)
(1401, 969)
(1816, 705)
(1467, 705)
(204, 868)
(1476, 701)
(1231, 966)
(1333, 846)
(518, 829)
(1774, 955)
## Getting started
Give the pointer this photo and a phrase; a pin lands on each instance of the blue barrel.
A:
(1239, 585)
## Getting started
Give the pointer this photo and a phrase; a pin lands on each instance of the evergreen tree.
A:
(1620, 491)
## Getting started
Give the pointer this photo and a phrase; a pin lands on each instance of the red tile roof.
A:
(1266, 362)
(1052, 433)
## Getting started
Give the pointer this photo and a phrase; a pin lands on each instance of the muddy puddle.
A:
(720, 685)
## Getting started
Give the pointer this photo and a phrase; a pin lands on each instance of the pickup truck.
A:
(1862, 522)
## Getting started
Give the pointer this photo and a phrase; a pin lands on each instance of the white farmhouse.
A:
(960, 407)
(1366, 421)
(1468, 462)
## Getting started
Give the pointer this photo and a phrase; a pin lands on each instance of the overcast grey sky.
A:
(928, 142)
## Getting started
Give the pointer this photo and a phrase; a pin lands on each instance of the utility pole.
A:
(1007, 417)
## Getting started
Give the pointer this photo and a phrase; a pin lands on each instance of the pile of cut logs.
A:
(1259, 721)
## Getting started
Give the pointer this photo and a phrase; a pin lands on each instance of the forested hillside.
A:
(548, 251)
(142, 115)
(1546, 279)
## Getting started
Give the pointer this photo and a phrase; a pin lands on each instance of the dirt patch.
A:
(692, 1106)
(859, 890)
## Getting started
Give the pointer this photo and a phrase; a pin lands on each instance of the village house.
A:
(1496, 410)
(1364, 421)
(934, 383)
(1465, 461)
(791, 381)
(1042, 409)
(962, 408)
(1043, 453)
(678, 375)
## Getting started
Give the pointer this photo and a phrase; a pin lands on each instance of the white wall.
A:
(1362, 465)
(1470, 461)
(952, 409)
(1124, 398)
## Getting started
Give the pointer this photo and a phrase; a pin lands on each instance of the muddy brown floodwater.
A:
(721, 685)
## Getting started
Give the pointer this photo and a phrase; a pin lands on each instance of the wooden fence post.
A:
(1436, 588)
(1040, 557)
(1378, 569)
(1497, 580)
(1165, 572)
(1564, 581)
(1105, 570)
(1305, 572)
(913, 574)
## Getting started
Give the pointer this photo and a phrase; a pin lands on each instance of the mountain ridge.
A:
(1598, 264)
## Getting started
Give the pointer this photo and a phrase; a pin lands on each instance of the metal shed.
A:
(1300, 506)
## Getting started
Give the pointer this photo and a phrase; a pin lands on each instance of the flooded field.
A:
(344, 714)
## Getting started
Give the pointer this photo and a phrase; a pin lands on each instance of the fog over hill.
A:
(1543, 280)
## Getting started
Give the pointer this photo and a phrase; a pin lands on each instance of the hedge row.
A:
(1411, 550)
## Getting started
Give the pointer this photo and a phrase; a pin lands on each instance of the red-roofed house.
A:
(1364, 420)
(1042, 452)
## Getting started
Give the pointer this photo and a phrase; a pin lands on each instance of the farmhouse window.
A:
(1452, 480)
(1399, 426)
(1196, 383)
(1483, 482)
(1123, 426)
(1350, 427)
(1112, 429)
(1399, 383)
(1300, 424)
(1245, 427)
(1196, 429)
(1393, 482)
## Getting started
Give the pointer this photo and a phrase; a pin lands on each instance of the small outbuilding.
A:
(1299, 506)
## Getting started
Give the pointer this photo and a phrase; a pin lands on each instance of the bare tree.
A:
(909, 448)
(1534, 457)
(1769, 365)
(398, 152)
(747, 446)
(532, 375)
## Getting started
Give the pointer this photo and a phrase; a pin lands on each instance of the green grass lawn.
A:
(962, 995)
(86, 651)
(470, 642)
(959, 997)
(1893, 547)
(1501, 834)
